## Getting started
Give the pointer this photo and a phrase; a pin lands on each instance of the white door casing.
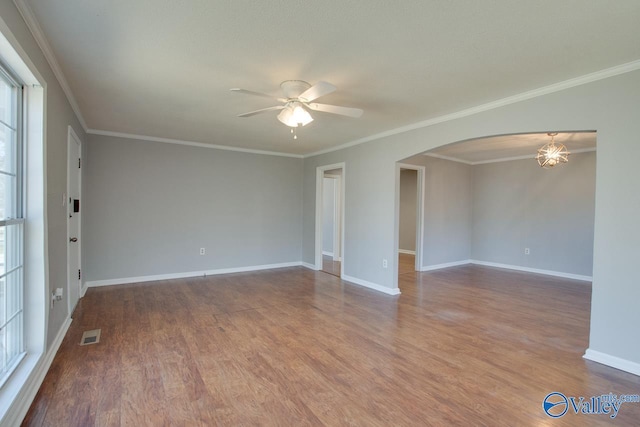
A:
(337, 216)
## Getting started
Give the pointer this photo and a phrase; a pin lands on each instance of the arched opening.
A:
(488, 202)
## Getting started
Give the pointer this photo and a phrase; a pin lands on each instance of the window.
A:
(11, 225)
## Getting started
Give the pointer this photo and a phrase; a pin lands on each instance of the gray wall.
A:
(519, 205)
(448, 199)
(408, 206)
(491, 212)
(328, 207)
(58, 116)
(608, 105)
(151, 206)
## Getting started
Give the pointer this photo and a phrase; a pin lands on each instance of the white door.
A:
(73, 202)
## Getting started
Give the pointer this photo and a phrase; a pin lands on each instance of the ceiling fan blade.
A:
(264, 95)
(316, 91)
(335, 109)
(262, 110)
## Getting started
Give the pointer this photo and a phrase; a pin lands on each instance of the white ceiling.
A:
(511, 147)
(163, 68)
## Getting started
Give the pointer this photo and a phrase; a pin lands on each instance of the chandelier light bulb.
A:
(550, 154)
(301, 116)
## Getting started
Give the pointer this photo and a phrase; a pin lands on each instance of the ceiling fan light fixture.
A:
(552, 154)
(301, 116)
(286, 117)
(298, 100)
(294, 115)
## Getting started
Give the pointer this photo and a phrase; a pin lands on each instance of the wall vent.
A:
(90, 337)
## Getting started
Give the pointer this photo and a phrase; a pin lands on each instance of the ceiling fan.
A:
(297, 100)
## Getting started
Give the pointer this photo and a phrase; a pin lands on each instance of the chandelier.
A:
(552, 154)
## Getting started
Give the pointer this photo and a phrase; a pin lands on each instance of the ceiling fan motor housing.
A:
(292, 89)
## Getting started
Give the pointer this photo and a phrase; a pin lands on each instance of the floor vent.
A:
(90, 337)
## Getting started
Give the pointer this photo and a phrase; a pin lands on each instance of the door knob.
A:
(73, 239)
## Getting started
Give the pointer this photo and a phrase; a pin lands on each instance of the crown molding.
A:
(502, 159)
(189, 143)
(451, 159)
(545, 90)
(34, 26)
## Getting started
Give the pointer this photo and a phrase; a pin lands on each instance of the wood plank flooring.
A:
(463, 346)
(406, 263)
(330, 266)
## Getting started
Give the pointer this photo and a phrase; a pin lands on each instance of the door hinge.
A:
(79, 163)
(79, 274)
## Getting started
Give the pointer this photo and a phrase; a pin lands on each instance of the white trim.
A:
(534, 270)
(406, 251)
(189, 143)
(508, 267)
(545, 90)
(309, 266)
(83, 290)
(36, 277)
(613, 361)
(327, 253)
(140, 279)
(371, 285)
(32, 23)
(16, 57)
(444, 265)
(18, 410)
(503, 159)
(337, 217)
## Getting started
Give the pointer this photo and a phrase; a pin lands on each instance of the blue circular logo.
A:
(555, 404)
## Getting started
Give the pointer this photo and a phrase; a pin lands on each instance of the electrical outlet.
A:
(56, 296)
(385, 264)
(203, 251)
(527, 251)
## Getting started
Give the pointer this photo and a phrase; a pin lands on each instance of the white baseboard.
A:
(406, 251)
(83, 289)
(327, 253)
(23, 399)
(444, 265)
(139, 279)
(371, 285)
(534, 270)
(309, 266)
(613, 361)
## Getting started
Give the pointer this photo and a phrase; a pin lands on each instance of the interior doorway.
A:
(410, 214)
(330, 219)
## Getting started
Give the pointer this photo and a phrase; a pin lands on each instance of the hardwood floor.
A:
(406, 263)
(330, 266)
(464, 346)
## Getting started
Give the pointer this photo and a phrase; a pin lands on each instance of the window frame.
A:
(15, 218)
